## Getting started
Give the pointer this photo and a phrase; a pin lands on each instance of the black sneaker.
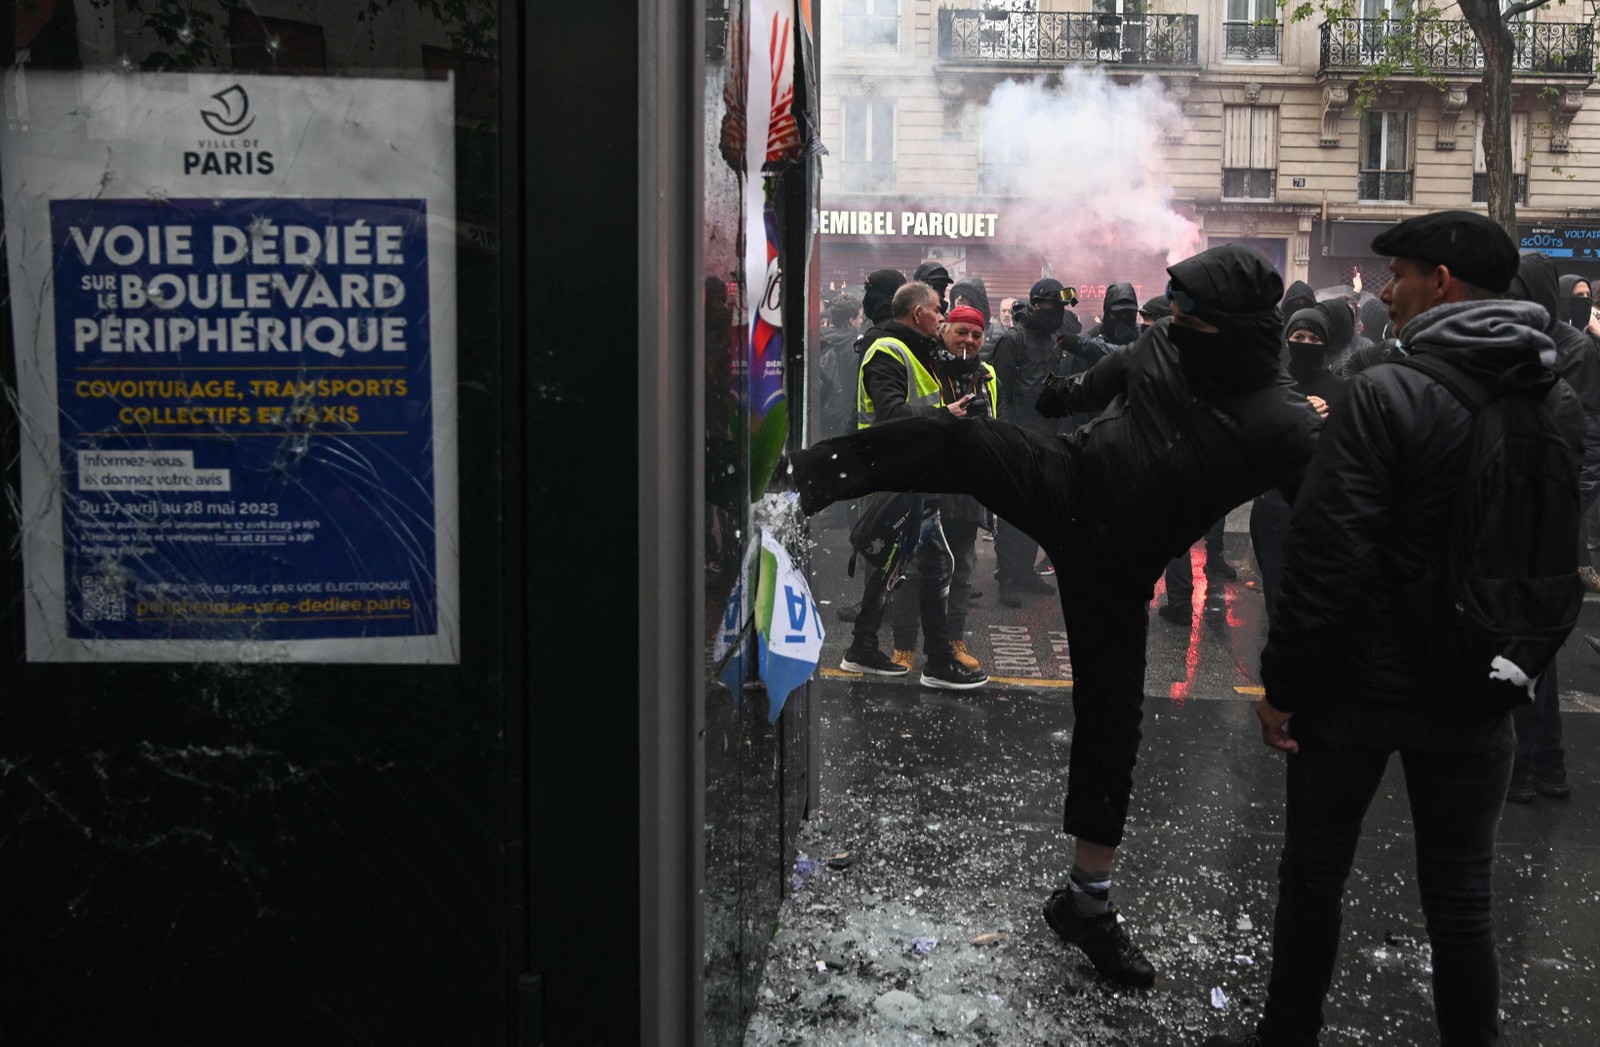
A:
(1220, 568)
(1179, 613)
(871, 661)
(1249, 1039)
(1521, 792)
(1032, 583)
(945, 673)
(1553, 786)
(1046, 568)
(1102, 939)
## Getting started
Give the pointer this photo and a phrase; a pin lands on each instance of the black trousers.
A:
(1269, 526)
(1031, 480)
(1456, 771)
(1180, 572)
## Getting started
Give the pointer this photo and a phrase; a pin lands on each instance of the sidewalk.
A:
(914, 914)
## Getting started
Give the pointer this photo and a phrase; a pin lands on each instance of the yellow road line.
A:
(1251, 690)
(1021, 681)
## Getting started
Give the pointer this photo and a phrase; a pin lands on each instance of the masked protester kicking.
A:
(1195, 418)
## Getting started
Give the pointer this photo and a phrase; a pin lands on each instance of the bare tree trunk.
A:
(1495, 37)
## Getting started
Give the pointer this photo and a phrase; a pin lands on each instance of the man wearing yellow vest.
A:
(897, 381)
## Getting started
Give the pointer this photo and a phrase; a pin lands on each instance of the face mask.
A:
(962, 367)
(1578, 308)
(1118, 330)
(1044, 317)
(1201, 354)
(1307, 360)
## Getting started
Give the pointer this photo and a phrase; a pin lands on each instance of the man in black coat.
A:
(1197, 418)
(1023, 359)
(1346, 680)
(1540, 767)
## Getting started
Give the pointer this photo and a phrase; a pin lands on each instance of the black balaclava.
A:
(1119, 322)
(1299, 296)
(877, 301)
(1043, 317)
(1307, 362)
(1235, 290)
(1578, 306)
(937, 277)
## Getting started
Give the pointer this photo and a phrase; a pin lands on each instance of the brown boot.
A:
(905, 658)
(964, 657)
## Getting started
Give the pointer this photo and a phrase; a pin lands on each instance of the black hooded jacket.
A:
(1308, 365)
(878, 294)
(1299, 296)
(1567, 283)
(1375, 509)
(1577, 356)
(1024, 357)
(1167, 457)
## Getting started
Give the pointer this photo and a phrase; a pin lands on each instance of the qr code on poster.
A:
(103, 599)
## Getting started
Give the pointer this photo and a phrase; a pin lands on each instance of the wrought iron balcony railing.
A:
(1384, 185)
(866, 176)
(1480, 187)
(1541, 48)
(1055, 37)
(1248, 183)
(1251, 40)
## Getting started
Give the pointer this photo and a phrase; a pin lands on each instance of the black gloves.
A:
(1052, 398)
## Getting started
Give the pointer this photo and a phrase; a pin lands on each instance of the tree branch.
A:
(1519, 8)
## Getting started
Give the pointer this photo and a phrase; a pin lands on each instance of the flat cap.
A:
(1472, 246)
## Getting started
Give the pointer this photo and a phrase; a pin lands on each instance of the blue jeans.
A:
(1456, 771)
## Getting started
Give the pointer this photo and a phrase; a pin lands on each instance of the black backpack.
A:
(887, 532)
(1504, 594)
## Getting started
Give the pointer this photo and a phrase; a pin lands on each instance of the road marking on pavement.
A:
(1251, 690)
(1016, 681)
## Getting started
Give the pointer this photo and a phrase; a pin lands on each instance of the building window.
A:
(870, 25)
(1003, 157)
(276, 45)
(1249, 152)
(1250, 30)
(868, 161)
(1519, 160)
(1385, 157)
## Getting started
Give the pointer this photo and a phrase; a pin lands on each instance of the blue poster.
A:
(245, 402)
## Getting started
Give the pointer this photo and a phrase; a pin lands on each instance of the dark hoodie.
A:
(1341, 332)
(935, 276)
(1167, 457)
(1567, 283)
(1577, 357)
(1306, 363)
(1374, 319)
(1376, 507)
(1299, 296)
(878, 294)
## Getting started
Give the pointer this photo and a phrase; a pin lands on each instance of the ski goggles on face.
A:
(1182, 299)
(1067, 296)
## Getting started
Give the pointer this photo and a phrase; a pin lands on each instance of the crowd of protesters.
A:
(1356, 436)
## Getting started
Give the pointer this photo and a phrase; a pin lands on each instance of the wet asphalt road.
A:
(914, 910)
